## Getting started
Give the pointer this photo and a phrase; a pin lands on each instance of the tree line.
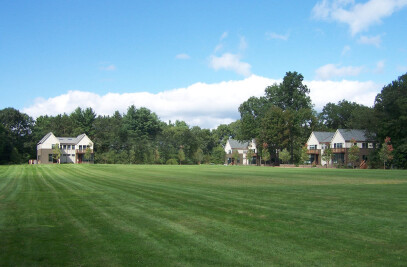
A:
(281, 120)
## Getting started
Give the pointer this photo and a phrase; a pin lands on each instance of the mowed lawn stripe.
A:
(201, 215)
(167, 226)
(166, 215)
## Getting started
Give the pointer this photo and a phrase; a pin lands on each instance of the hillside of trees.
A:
(281, 119)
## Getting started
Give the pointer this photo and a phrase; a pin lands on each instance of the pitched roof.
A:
(237, 144)
(64, 140)
(358, 135)
(45, 138)
(71, 140)
(324, 137)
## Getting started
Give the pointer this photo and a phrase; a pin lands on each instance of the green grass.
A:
(115, 215)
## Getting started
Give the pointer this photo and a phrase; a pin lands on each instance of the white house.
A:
(242, 148)
(72, 149)
(317, 143)
(343, 139)
(340, 142)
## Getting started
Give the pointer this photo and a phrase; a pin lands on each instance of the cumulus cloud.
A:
(231, 62)
(374, 40)
(323, 92)
(273, 35)
(329, 71)
(202, 104)
(206, 105)
(359, 17)
(182, 56)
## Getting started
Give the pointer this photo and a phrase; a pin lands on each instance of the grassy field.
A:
(114, 215)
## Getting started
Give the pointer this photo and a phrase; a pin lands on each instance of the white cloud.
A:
(224, 35)
(323, 92)
(379, 67)
(329, 71)
(182, 56)
(231, 62)
(272, 35)
(374, 40)
(202, 104)
(346, 50)
(359, 17)
(108, 68)
(206, 105)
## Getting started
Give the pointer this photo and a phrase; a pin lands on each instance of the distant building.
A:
(340, 142)
(242, 148)
(73, 149)
(317, 143)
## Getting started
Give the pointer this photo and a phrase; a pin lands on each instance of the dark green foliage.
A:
(391, 111)
(347, 115)
(16, 130)
(5, 145)
(283, 118)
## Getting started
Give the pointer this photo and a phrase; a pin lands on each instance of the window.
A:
(73, 147)
(339, 158)
(80, 147)
(50, 159)
(53, 146)
(313, 147)
(364, 145)
(338, 145)
(69, 146)
(64, 146)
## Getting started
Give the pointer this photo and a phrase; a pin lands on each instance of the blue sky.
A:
(194, 60)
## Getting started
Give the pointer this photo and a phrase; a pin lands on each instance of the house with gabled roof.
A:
(343, 139)
(317, 143)
(339, 141)
(72, 149)
(242, 148)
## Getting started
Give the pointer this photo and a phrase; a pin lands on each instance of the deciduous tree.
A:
(353, 153)
(386, 152)
(285, 155)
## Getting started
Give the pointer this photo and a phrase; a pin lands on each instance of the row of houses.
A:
(339, 141)
(73, 149)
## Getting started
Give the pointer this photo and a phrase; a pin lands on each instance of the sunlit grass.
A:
(112, 215)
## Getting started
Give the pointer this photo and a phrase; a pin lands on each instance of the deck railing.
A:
(83, 151)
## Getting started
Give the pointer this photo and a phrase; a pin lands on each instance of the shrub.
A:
(172, 162)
